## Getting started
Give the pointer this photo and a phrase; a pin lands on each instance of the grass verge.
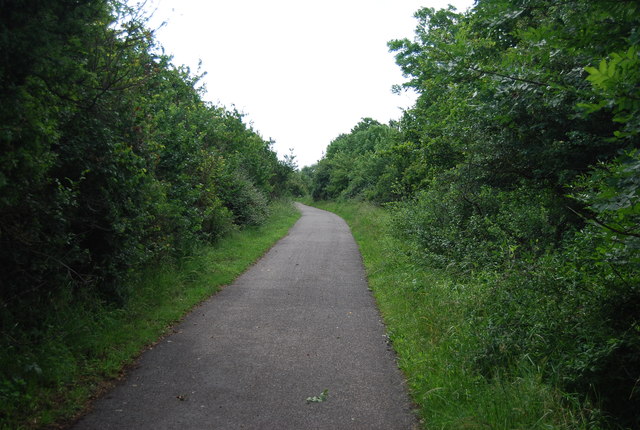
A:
(430, 321)
(88, 344)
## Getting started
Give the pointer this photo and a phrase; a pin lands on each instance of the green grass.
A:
(429, 320)
(88, 345)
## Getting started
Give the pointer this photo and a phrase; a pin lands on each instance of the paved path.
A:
(300, 321)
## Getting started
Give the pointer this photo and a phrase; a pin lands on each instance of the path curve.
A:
(301, 320)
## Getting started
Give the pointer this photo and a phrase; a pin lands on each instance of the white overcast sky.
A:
(302, 71)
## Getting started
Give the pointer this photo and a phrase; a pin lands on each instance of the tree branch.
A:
(602, 224)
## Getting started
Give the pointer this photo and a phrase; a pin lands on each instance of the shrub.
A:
(248, 205)
(574, 317)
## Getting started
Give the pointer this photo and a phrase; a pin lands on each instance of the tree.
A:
(519, 164)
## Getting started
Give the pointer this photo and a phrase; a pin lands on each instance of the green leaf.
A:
(603, 67)
(319, 399)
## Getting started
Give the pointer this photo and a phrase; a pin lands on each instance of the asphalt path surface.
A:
(298, 322)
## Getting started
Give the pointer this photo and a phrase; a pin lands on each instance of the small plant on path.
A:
(319, 399)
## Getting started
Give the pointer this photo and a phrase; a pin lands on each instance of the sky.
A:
(301, 71)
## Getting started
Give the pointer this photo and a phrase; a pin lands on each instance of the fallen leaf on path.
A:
(319, 399)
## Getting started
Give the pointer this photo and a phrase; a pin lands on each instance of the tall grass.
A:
(433, 322)
(88, 344)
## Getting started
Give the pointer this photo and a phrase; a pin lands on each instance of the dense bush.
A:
(248, 204)
(574, 316)
(518, 168)
(110, 160)
(467, 233)
(110, 157)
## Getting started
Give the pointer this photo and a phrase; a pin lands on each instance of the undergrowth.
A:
(433, 321)
(50, 371)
